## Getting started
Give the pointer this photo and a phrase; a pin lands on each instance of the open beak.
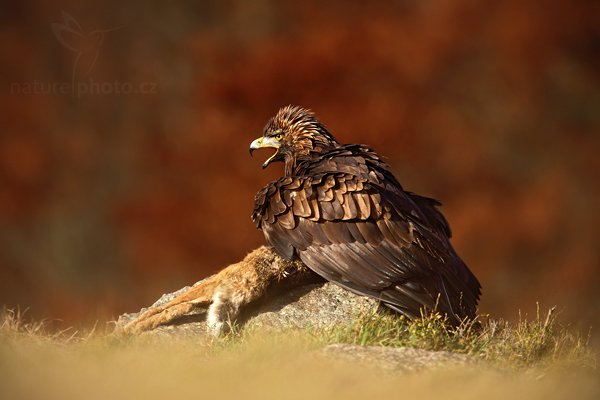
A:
(263, 142)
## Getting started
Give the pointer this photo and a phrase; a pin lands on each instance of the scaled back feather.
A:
(340, 209)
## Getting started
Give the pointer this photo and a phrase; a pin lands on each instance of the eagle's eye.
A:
(279, 136)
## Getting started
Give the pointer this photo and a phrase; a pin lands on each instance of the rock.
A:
(319, 305)
(399, 359)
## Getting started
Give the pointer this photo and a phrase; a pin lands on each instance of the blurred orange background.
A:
(124, 166)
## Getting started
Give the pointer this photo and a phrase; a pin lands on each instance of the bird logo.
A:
(85, 45)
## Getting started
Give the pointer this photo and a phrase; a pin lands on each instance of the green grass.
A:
(539, 342)
(533, 359)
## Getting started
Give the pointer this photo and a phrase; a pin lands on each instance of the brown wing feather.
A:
(350, 221)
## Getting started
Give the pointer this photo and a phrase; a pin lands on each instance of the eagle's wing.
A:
(363, 232)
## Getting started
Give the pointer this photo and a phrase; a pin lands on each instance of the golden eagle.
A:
(340, 209)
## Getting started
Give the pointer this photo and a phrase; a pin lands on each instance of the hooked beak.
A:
(264, 142)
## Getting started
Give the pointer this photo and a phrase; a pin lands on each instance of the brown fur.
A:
(224, 294)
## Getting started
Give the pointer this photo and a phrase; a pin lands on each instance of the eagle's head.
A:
(296, 134)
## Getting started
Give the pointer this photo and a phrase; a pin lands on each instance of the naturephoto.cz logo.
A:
(81, 88)
(86, 47)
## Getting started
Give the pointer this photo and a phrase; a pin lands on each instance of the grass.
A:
(541, 342)
(533, 359)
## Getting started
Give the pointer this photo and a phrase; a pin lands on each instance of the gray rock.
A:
(398, 359)
(319, 305)
(322, 305)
